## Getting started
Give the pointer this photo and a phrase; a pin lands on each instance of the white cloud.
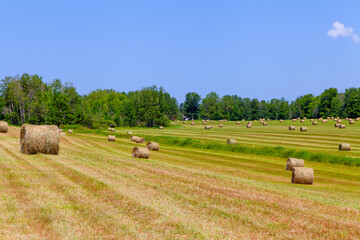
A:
(339, 30)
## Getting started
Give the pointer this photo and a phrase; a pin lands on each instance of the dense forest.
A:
(28, 99)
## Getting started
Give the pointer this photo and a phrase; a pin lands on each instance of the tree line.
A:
(28, 99)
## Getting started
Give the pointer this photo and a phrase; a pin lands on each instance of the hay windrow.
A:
(39, 139)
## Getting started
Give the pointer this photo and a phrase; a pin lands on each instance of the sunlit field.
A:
(94, 189)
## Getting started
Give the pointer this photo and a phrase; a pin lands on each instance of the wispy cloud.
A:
(339, 30)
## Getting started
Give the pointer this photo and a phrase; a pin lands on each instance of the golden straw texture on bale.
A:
(111, 138)
(344, 147)
(291, 127)
(302, 175)
(231, 141)
(294, 162)
(303, 129)
(153, 146)
(140, 152)
(39, 139)
(4, 126)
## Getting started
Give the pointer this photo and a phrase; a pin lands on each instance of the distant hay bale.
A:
(302, 175)
(294, 120)
(211, 121)
(129, 132)
(207, 127)
(184, 122)
(203, 120)
(231, 141)
(237, 123)
(140, 152)
(193, 123)
(344, 147)
(324, 121)
(111, 129)
(293, 162)
(298, 118)
(302, 121)
(281, 120)
(204, 123)
(342, 126)
(268, 120)
(328, 118)
(337, 125)
(264, 123)
(314, 123)
(291, 127)
(39, 139)
(303, 129)
(172, 123)
(311, 120)
(137, 139)
(111, 138)
(161, 127)
(248, 126)
(225, 120)
(208, 120)
(304, 118)
(357, 119)
(338, 121)
(346, 119)
(220, 125)
(153, 146)
(351, 122)
(4, 127)
(70, 131)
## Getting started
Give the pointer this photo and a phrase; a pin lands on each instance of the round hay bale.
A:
(268, 120)
(314, 123)
(220, 125)
(237, 123)
(302, 121)
(204, 123)
(351, 122)
(225, 120)
(338, 121)
(140, 152)
(39, 139)
(111, 138)
(211, 121)
(112, 129)
(172, 123)
(281, 120)
(346, 119)
(129, 132)
(207, 127)
(356, 119)
(311, 120)
(109, 129)
(264, 123)
(294, 120)
(298, 118)
(193, 123)
(293, 162)
(4, 126)
(161, 127)
(70, 131)
(231, 141)
(304, 118)
(328, 118)
(291, 127)
(324, 121)
(153, 146)
(337, 125)
(344, 147)
(302, 175)
(303, 129)
(342, 126)
(184, 122)
(248, 126)
(137, 139)
(60, 130)
(208, 120)
(203, 120)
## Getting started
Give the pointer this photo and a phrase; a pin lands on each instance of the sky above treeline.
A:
(262, 49)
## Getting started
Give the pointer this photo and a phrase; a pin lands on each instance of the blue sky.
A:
(255, 49)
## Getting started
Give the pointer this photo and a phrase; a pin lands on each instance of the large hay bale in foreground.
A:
(302, 175)
(111, 138)
(39, 139)
(4, 127)
(291, 127)
(344, 147)
(231, 141)
(70, 131)
(140, 152)
(342, 126)
(294, 162)
(153, 146)
(303, 129)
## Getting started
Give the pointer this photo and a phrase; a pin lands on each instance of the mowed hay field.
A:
(94, 189)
